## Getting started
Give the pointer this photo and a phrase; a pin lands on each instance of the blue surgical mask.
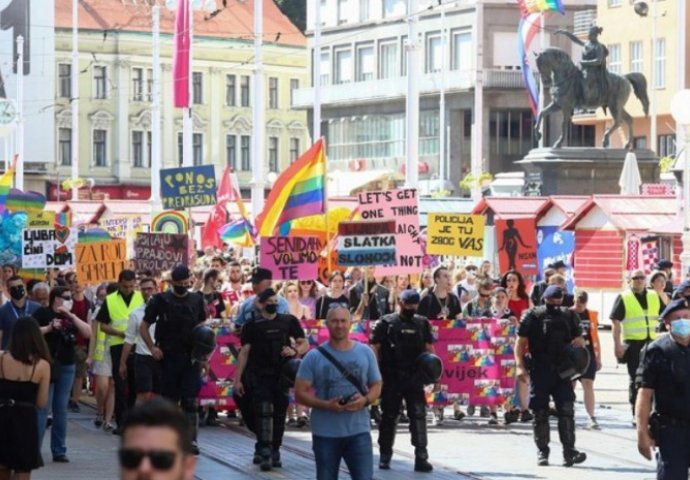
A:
(681, 327)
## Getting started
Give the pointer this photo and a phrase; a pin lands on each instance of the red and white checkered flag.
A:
(650, 254)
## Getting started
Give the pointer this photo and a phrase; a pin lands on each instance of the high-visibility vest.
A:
(99, 349)
(119, 312)
(640, 324)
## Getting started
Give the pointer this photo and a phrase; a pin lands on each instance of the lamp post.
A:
(680, 110)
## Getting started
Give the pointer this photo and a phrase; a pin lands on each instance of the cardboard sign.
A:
(43, 219)
(401, 205)
(100, 261)
(48, 247)
(123, 226)
(160, 251)
(291, 258)
(517, 245)
(188, 187)
(454, 234)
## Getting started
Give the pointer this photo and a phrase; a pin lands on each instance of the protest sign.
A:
(123, 226)
(401, 205)
(42, 219)
(160, 251)
(291, 258)
(48, 247)
(100, 261)
(188, 187)
(455, 234)
(366, 243)
(555, 244)
(517, 245)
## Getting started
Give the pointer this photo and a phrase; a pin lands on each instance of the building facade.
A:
(115, 87)
(362, 68)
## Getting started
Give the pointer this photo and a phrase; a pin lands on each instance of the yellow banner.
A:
(43, 219)
(454, 234)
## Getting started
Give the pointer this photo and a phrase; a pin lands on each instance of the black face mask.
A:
(18, 292)
(408, 312)
(271, 308)
(552, 308)
(179, 289)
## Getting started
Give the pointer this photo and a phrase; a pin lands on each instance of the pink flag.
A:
(181, 58)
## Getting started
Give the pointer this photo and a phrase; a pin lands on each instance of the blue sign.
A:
(188, 187)
(553, 245)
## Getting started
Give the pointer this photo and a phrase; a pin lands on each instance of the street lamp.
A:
(680, 110)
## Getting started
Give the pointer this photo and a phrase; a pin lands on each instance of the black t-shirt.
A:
(103, 315)
(618, 310)
(176, 317)
(532, 327)
(325, 302)
(61, 342)
(215, 305)
(267, 338)
(430, 306)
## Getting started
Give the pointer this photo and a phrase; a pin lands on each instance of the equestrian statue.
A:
(587, 88)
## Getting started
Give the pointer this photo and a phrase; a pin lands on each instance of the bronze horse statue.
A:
(569, 91)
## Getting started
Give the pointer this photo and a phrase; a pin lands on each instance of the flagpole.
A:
(541, 83)
(258, 114)
(19, 173)
(187, 123)
(155, 160)
(329, 263)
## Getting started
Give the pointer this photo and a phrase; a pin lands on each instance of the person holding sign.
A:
(368, 299)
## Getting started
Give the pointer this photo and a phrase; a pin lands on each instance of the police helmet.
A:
(203, 342)
(288, 372)
(576, 364)
(429, 367)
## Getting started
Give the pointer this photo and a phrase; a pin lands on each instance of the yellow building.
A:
(115, 59)
(629, 38)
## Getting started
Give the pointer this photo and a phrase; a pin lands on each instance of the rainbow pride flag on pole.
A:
(527, 32)
(6, 185)
(239, 232)
(540, 6)
(300, 191)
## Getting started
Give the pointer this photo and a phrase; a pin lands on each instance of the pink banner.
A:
(291, 258)
(216, 388)
(181, 55)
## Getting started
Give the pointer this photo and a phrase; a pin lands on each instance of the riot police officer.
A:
(398, 340)
(267, 344)
(550, 330)
(664, 375)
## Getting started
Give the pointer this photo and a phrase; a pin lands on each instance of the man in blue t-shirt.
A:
(339, 419)
(262, 278)
(18, 306)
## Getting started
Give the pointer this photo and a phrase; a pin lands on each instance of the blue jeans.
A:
(356, 450)
(58, 397)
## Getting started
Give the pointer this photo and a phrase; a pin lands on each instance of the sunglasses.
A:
(131, 458)
(483, 295)
(638, 278)
(66, 298)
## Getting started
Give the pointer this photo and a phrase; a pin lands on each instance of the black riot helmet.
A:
(429, 368)
(576, 362)
(288, 372)
(203, 342)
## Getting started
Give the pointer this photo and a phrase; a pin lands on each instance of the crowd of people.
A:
(131, 341)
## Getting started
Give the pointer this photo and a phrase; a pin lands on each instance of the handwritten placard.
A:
(366, 243)
(100, 261)
(188, 187)
(455, 234)
(48, 247)
(42, 219)
(160, 251)
(291, 258)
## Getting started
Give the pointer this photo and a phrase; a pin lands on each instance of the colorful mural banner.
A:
(517, 245)
(291, 258)
(186, 187)
(555, 244)
(158, 252)
(455, 234)
(100, 261)
(49, 247)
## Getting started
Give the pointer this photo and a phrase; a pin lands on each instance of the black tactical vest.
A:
(404, 341)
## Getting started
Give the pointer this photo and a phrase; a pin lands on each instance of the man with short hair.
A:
(156, 443)
(373, 303)
(40, 293)
(232, 289)
(481, 305)
(440, 303)
(340, 421)
(262, 278)
(18, 306)
(218, 263)
(539, 287)
(81, 307)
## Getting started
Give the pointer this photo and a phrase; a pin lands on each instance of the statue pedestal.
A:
(584, 170)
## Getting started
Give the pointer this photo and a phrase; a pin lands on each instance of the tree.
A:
(296, 11)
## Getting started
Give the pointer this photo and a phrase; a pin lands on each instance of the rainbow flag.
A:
(64, 218)
(300, 191)
(5, 186)
(527, 32)
(94, 235)
(539, 6)
(20, 201)
(239, 232)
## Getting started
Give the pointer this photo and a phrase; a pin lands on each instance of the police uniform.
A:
(549, 330)
(402, 339)
(665, 368)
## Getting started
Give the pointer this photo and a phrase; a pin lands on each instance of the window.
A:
(614, 3)
(636, 61)
(137, 84)
(343, 66)
(667, 146)
(230, 90)
(325, 67)
(379, 138)
(294, 149)
(403, 45)
(388, 59)
(365, 63)
(149, 142)
(434, 58)
(149, 85)
(65, 85)
(244, 90)
(505, 55)
(639, 142)
(273, 93)
(429, 122)
(660, 63)
(273, 154)
(198, 148)
(294, 85)
(100, 82)
(342, 11)
(137, 148)
(615, 58)
(99, 148)
(461, 51)
(510, 131)
(363, 10)
(245, 152)
(180, 149)
(65, 146)
(231, 151)
(197, 91)
(393, 8)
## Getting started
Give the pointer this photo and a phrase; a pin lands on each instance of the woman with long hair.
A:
(657, 282)
(518, 300)
(335, 294)
(308, 294)
(290, 292)
(24, 386)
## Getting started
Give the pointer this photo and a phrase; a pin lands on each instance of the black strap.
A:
(350, 378)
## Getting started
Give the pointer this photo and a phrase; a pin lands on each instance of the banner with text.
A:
(291, 258)
(160, 251)
(366, 243)
(49, 247)
(100, 261)
(516, 240)
(42, 219)
(455, 234)
(188, 187)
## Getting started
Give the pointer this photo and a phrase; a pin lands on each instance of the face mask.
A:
(552, 308)
(681, 327)
(67, 304)
(179, 289)
(271, 308)
(18, 292)
(408, 312)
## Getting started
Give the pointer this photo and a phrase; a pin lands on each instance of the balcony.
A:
(509, 79)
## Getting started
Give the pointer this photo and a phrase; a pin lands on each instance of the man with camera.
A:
(550, 331)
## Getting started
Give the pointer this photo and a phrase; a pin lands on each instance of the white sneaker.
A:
(431, 418)
(593, 424)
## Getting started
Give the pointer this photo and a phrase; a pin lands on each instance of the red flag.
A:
(181, 55)
(219, 214)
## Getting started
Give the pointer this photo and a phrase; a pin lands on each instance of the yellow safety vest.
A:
(639, 324)
(99, 350)
(119, 312)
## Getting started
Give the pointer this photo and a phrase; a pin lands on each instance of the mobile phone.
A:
(346, 400)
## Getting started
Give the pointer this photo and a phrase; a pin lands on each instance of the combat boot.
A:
(573, 457)
(276, 462)
(543, 458)
(385, 461)
(421, 461)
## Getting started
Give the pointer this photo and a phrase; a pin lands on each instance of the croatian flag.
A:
(527, 32)
(181, 56)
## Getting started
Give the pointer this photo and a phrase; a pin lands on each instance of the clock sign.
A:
(8, 111)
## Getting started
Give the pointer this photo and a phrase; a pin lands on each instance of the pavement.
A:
(467, 449)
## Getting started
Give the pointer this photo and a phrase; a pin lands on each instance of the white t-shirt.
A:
(132, 332)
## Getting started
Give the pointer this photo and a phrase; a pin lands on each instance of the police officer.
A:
(176, 313)
(549, 329)
(398, 339)
(664, 375)
(267, 344)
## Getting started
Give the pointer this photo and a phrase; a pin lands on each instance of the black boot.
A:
(421, 461)
(542, 436)
(275, 459)
(419, 439)
(566, 432)
(386, 439)
(385, 461)
(264, 434)
(193, 420)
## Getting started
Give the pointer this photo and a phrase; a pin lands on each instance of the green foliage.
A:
(469, 182)
(296, 11)
(666, 163)
(441, 193)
